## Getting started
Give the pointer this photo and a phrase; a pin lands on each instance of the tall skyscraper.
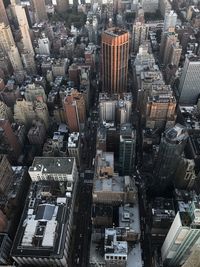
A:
(139, 35)
(183, 234)
(127, 149)
(39, 9)
(171, 147)
(3, 15)
(189, 88)
(15, 59)
(24, 28)
(6, 37)
(170, 20)
(170, 50)
(115, 49)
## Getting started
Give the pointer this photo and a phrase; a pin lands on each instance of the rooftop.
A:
(42, 230)
(115, 32)
(73, 140)
(176, 134)
(129, 218)
(52, 165)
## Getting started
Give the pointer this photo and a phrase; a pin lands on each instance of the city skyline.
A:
(100, 133)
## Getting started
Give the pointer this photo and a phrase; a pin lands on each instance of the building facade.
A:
(115, 49)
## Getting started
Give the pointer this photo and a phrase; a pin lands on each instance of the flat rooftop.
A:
(52, 165)
(129, 218)
(43, 226)
(115, 32)
(114, 184)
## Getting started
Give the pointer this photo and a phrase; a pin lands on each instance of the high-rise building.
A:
(170, 20)
(164, 7)
(170, 50)
(115, 49)
(39, 9)
(24, 28)
(29, 62)
(170, 149)
(183, 234)
(75, 110)
(3, 15)
(127, 149)
(15, 59)
(160, 107)
(26, 111)
(140, 31)
(189, 89)
(6, 37)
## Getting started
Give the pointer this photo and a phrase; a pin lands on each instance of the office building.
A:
(24, 28)
(127, 148)
(189, 81)
(115, 49)
(170, 50)
(170, 149)
(46, 237)
(114, 191)
(115, 108)
(140, 31)
(183, 234)
(162, 214)
(185, 174)
(39, 9)
(3, 15)
(75, 110)
(107, 107)
(170, 21)
(160, 107)
(139, 35)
